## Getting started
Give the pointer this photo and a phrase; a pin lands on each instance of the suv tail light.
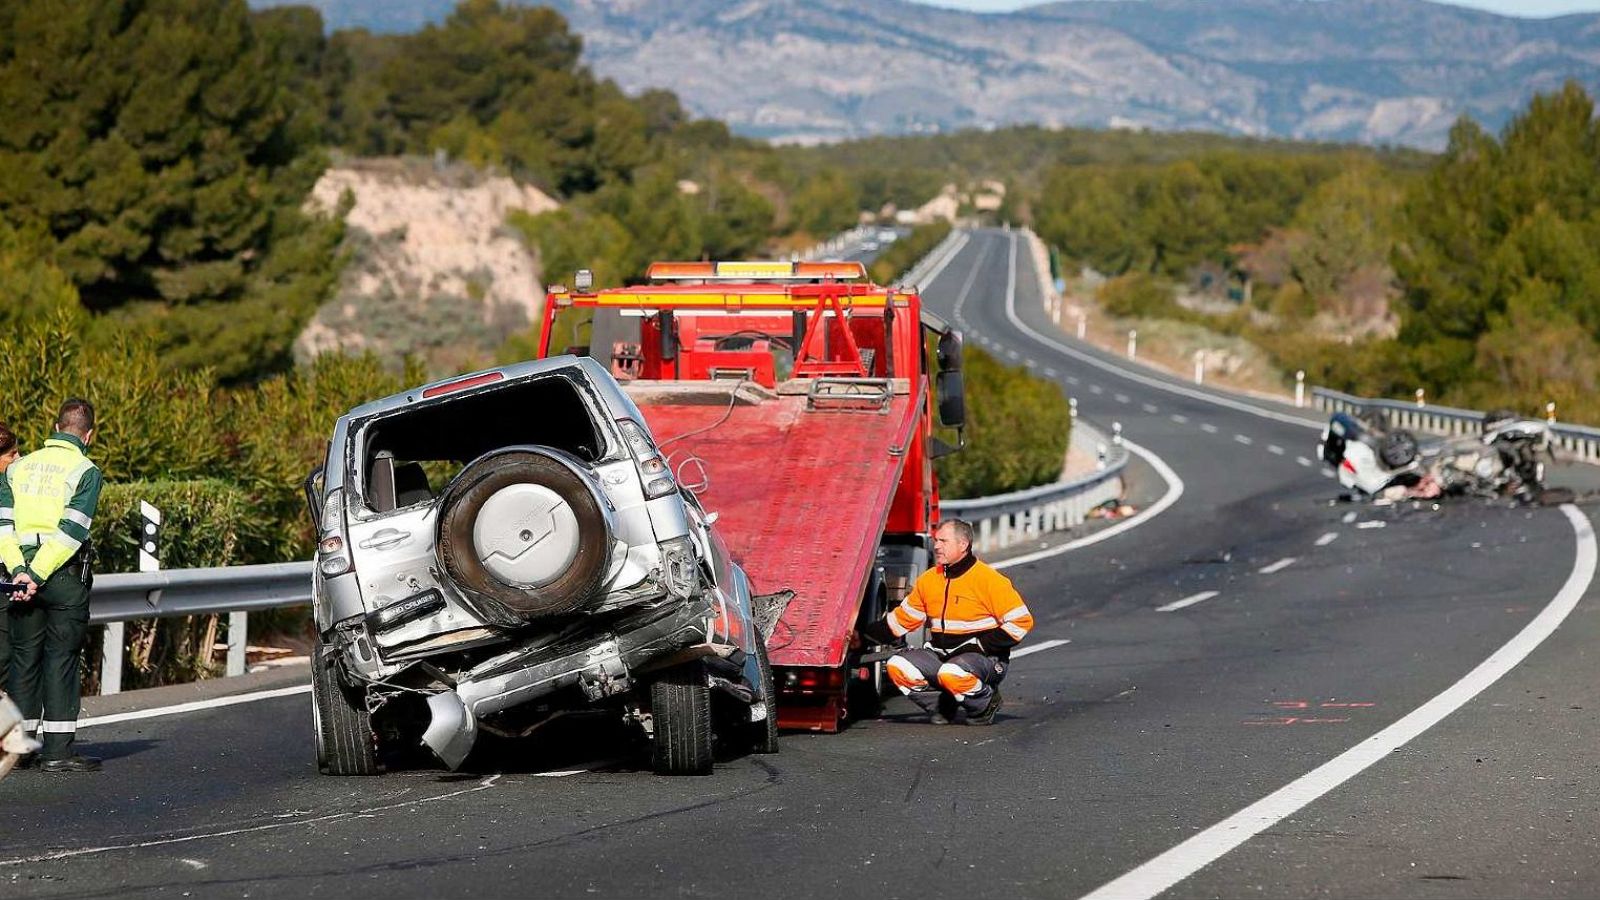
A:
(653, 470)
(333, 550)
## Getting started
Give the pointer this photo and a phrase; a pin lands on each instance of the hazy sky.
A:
(1504, 7)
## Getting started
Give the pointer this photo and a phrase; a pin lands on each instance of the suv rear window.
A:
(410, 456)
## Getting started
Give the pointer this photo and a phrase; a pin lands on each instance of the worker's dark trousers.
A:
(970, 678)
(46, 638)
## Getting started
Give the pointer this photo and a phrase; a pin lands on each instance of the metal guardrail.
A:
(235, 590)
(1005, 519)
(1579, 442)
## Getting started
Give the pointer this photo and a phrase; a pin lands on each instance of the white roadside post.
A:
(1199, 367)
(1300, 388)
(1083, 325)
(116, 633)
(1550, 412)
(1133, 343)
(1421, 397)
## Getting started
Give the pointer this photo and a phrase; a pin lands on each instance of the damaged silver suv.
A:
(507, 547)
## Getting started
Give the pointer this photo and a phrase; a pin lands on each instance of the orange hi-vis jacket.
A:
(965, 605)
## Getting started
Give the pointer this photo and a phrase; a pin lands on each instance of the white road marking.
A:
(1243, 440)
(1042, 645)
(1328, 473)
(1174, 491)
(1372, 524)
(1278, 566)
(1049, 372)
(1188, 601)
(1303, 461)
(1013, 354)
(1181, 420)
(193, 706)
(1274, 449)
(1096, 389)
(1149, 408)
(1072, 379)
(1348, 518)
(1120, 398)
(1175, 865)
(1208, 428)
(955, 250)
(1327, 539)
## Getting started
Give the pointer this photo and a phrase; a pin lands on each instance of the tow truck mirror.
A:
(952, 392)
(949, 352)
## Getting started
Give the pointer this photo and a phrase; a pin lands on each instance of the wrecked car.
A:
(1505, 460)
(507, 547)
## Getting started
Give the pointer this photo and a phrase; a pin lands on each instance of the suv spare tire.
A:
(525, 536)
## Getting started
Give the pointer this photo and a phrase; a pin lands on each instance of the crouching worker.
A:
(975, 617)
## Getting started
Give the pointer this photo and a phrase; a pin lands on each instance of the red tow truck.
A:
(797, 401)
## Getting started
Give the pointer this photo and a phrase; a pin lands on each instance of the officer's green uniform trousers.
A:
(46, 639)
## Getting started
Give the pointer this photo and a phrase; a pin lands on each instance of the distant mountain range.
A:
(1374, 71)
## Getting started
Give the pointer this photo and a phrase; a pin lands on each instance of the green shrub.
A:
(201, 523)
(1138, 296)
(1018, 427)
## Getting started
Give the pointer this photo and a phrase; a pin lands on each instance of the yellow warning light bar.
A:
(776, 270)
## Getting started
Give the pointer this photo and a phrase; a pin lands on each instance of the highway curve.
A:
(1295, 629)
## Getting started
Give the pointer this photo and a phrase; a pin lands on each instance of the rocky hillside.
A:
(434, 272)
(1377, 71)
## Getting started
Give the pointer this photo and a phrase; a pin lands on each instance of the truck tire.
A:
(345, 741)
(764, 734)
(680, 707)
(524, 536)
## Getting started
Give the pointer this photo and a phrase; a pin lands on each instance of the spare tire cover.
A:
(524, 536)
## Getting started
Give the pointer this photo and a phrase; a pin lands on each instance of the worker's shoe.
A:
(947, 711)
(70, 764)
(989, 712)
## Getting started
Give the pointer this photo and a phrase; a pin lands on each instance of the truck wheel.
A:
(764, 734)
(525, 534)
(680, 705)
(346, 744)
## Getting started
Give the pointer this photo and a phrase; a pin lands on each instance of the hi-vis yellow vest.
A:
(47, 504)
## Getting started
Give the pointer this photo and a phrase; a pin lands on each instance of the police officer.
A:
(975, 617)
(47, 503)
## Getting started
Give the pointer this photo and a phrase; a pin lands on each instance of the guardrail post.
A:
(1133, 343)
(1199, 367)
(985, 532)
(1300, 388)
(1421, 398)
(1550, 412)
(1083, 325)
(238, 635)
(1116, 434)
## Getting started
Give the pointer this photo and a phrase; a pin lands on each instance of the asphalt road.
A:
(1295, 629)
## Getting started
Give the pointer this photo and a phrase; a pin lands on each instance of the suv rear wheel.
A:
(525, 533)
(680, 707)
(346, 744)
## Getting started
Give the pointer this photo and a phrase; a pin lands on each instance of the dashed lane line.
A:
(1149, 408)
(1274, 449)
(1243, 439)
(1278, 566)
(1208, 428)
(1327, 539)
(1042, 645)
(1168, 869)
(1181, 420)
(1190, 600)
(1303, 461)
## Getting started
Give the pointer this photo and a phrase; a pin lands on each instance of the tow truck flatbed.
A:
(787, 482)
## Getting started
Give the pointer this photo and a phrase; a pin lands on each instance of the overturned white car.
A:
(506, 547)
